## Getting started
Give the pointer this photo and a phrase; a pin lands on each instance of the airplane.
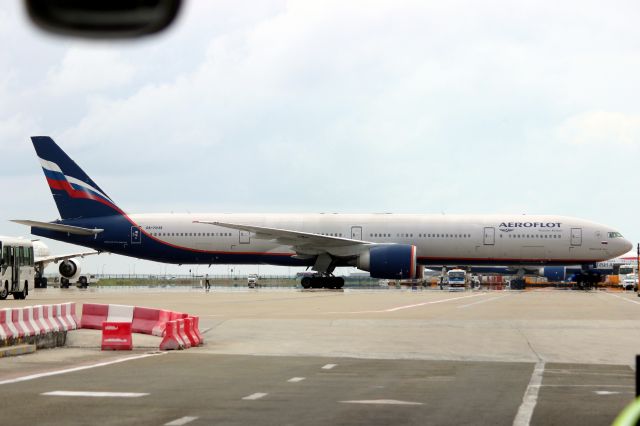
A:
(69, 269)
(391, 246)
(22, 264)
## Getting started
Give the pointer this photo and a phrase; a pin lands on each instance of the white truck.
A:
(252, 280)
(628, 277)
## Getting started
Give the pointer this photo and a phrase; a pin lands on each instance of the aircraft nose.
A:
(628, 246)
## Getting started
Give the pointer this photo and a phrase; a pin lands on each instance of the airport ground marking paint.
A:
(74, 369)
(530, 398)
(296, 379)
(181, 421)
(382, 402)
(329, 366)
(96, 394)
(624, 298)
(415, 305)
(255, 396)
(484, 301)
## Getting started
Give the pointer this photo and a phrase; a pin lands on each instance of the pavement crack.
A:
(526, 339)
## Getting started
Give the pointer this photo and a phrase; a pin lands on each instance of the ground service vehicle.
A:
(457, 279)
(252, 281)
(628, 277)
(17, 270)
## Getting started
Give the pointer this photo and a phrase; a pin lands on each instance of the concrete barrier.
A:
(171, 340)
(20, 326)
(93, 315)
(39, 325)
(196, 328)
(188, 331)
(150, 321)
(182, 334)
(147, 321)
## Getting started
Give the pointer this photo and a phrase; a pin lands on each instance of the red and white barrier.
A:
(116, 336)
(5, 320)
(16, 318)
(93, 315)
(38, 315)
(27, 318)
(150, 321)
(17, 323)
(171, 340)
(188, 331)
(156, 322)
(182, 334)
(48, 317)
(196, 328)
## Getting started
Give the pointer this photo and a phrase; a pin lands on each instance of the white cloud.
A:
(603, 128)
(87, 69)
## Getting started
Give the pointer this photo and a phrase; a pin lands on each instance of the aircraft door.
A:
(576, 236)
(245, 237)
(356, 232)
(489, 236)
(136, 235)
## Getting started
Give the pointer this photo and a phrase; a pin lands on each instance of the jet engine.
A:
(390, 261)
(69, 269)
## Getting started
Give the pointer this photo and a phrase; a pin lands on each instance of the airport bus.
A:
(457, 279)
(17, 268)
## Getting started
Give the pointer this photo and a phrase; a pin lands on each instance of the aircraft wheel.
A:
(306, 282)
(82, 281)
(4, 292)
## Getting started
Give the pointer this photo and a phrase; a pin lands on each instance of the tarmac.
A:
(375, 357)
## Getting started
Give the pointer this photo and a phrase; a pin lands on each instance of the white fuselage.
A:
(439, 239)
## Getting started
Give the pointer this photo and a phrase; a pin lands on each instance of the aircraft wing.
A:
(45, 260)
(76, 230)
(305, 242)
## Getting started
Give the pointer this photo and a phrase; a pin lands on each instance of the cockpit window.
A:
(615, 235)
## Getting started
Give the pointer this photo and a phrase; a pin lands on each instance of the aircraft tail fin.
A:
(75, 194)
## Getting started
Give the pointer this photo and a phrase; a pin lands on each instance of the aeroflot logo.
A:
(529, 225)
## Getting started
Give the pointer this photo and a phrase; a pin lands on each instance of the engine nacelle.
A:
(393, 261)
(69, 269)
(555, 273)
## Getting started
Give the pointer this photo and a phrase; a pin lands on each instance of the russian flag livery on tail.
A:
(392, 246)
(75, 194)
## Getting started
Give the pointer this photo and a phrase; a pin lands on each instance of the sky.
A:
(333, 106)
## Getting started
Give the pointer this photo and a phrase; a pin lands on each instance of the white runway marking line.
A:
(530, 398)
(624, 298)
(181, 421)
(96, 394)
(329, 366)
(382, 402)
(296, 379)
(416, 305)
(483, 301)
(71, 370)
(255, 396)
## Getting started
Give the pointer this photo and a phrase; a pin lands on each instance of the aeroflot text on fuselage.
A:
(530, 225)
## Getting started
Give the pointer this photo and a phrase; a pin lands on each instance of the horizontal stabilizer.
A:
(76, 230)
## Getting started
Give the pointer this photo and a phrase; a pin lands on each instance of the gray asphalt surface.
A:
(400, 358)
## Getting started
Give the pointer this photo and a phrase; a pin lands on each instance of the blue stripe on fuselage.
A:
(116, 238)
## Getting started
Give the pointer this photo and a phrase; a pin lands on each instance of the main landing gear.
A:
(319, 281)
